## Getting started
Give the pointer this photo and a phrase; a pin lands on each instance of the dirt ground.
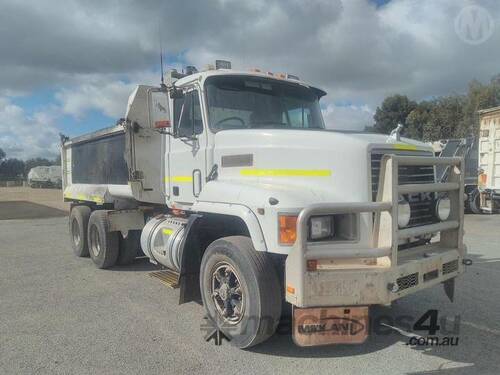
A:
(45, 197)
(28, 203)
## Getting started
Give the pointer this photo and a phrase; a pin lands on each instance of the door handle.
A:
(196, 182)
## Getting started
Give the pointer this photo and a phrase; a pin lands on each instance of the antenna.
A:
(161, 56)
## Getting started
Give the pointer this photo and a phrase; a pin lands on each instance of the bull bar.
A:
(355, 285)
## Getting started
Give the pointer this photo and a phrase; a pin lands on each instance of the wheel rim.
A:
(75, 230)
(95, 243)
(227, 293)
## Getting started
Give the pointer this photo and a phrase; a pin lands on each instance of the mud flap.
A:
(449, 288)
(330, 325)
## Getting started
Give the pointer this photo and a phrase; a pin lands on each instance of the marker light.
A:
(287, 229)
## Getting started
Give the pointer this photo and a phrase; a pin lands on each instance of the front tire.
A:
(78, 223)
(103, 244)
(240, 290)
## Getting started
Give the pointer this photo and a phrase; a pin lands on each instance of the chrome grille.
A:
(422, 205)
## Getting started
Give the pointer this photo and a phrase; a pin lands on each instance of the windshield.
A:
(240, 102)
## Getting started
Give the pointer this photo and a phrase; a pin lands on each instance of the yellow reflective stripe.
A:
(405, 147)
(286, 172)
(179, 179)
(97, 199)
(81, 197)
(168, 232)
(182, 179)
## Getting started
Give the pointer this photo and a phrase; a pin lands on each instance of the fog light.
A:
(404, 213)
(321, 227)
(443, 208)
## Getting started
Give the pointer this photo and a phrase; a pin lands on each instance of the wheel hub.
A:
(227, 293)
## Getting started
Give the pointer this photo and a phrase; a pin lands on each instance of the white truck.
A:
(45, 176)
(231, 183)
(489, 160)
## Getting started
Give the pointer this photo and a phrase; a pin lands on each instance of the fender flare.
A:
(241, 211)
(192, 252)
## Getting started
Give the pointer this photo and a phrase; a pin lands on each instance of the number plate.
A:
(330, 325)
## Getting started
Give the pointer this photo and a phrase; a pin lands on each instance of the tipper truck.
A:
(230, 182)
(45, 176)
(489, 160)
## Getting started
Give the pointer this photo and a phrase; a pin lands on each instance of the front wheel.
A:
(240, 291)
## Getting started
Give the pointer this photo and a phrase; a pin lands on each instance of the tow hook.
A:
(467, 262)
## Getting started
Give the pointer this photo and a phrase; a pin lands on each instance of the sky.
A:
(70, 66)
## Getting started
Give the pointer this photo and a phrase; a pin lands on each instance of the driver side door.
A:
(187, 156)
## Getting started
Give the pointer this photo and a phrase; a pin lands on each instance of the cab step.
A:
(168, 277)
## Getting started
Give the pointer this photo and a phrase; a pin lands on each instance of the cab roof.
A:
(203, 75)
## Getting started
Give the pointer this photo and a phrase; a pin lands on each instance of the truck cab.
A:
(237, 186)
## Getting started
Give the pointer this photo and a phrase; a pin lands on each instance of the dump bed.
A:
(125, 161)
(94, 166)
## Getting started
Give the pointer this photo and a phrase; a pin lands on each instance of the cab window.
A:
(187, 115)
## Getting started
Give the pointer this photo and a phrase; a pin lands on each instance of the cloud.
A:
(92, 53)
(354, 49)
(348, 117)
(23, 135)
(110, 98)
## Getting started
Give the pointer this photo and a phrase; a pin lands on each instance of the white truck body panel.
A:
(45, 174)
(489, 148)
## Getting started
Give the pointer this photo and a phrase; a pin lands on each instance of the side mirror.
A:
(175, 93)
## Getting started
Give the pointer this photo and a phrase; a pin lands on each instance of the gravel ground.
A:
(61, 315)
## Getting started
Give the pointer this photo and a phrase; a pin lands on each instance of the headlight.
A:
(321, 227)
(443, 208)
(404, 213)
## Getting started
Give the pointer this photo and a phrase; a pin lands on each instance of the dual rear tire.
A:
(91, 236)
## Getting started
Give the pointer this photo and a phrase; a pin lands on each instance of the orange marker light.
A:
(312, 265)
(483, 178)
(288, 229)
(290, 289)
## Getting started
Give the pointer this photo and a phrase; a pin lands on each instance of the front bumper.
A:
(394, 274)
(351, 287)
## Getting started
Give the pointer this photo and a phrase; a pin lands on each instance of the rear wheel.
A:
(103, 244)
(78, 223)
(240, 291)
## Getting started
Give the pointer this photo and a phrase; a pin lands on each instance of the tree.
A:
(479, 97)
(394, 110)
(417, 119)
(2, 155)
(11, 168)
(57, 160)
(444, 117)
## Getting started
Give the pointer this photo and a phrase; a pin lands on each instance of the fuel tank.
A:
(161, 240)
